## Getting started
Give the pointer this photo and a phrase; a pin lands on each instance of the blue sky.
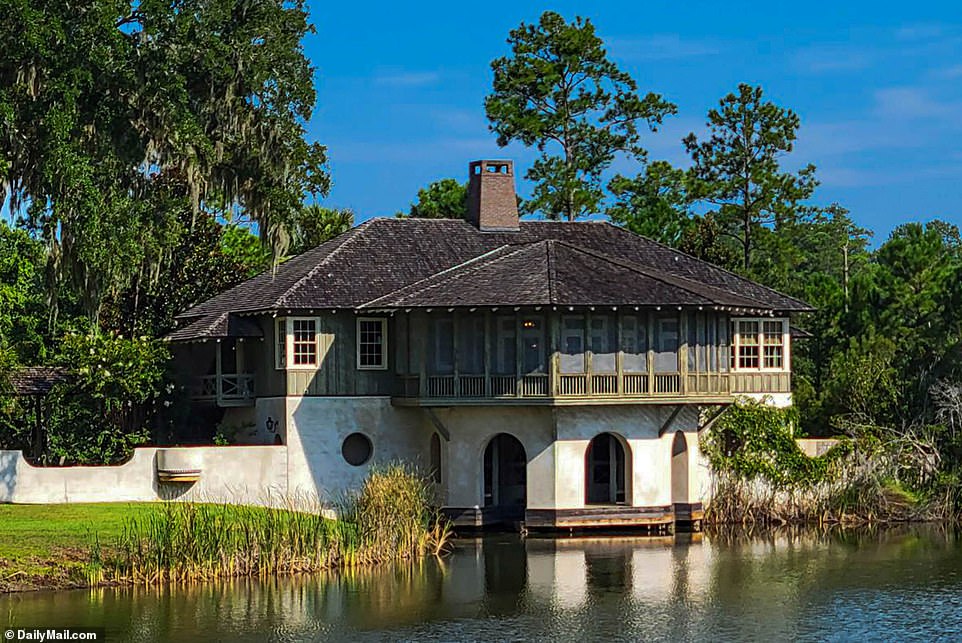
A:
(878, 88)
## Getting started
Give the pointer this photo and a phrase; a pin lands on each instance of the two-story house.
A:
(554, 372)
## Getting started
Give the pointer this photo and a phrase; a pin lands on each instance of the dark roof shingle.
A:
(37, 380)
(213, 326)
(388, 260)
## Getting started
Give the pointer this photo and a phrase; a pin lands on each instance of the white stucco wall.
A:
(310, 466)
(243, 475)
(471, 429)
(314, 430)
(556, 441)
(649, 456)
(778, 400)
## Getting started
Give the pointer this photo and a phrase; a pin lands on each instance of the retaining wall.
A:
(255, 475)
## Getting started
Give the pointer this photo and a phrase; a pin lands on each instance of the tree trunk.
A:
(747, 241)
(845, 274)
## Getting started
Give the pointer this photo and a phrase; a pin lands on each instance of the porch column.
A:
(683, 351)
(554, 326)
(651, 353)
(488, 339)
(619, 355)
(219, 370)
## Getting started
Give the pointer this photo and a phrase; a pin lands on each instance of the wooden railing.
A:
(582, 385)
(228, 389)
(540, 385)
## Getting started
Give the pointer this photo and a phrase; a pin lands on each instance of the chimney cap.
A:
(492, 166)
(492, 202)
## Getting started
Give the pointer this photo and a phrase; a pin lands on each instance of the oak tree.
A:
(98, 98)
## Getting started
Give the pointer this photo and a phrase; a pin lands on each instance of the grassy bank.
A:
(63, 546)
(49, 546)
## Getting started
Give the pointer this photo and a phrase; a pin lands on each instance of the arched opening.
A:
(679, 469)
(435, 458)
(606, 471)
(506, 476)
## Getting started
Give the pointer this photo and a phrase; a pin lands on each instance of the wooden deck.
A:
(601, 517)
(689, 513)
(591, 517)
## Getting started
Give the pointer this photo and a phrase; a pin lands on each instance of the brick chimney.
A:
(492, 203)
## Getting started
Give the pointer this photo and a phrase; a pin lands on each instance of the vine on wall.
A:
(753, 441)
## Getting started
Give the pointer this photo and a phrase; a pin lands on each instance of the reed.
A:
(390, 518)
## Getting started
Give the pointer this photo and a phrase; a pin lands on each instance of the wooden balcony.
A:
(227, 389)
(556, 357)
(579, 388)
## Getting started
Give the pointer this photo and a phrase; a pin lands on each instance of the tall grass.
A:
(389, 518)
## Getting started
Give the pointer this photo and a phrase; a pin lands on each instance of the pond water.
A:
(897, 584)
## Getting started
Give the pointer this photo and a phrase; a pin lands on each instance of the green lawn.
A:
(44, 545)
(43, 530)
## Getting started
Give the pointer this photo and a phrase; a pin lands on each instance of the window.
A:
(295, 342)
(603, 341)
(666, 344)
(573, 344)
(471, 345)
(357, 449)
(748, 344)
(634, 343)
(280, 343)
(774, 349)
(532, 337)
(371, 343)
(506, 348)
(304, 333)
(443, 345)
(759, 344)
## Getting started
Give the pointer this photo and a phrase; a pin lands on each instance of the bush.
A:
(109, 404)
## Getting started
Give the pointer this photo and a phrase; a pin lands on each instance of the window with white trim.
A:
(304, 342)
(372, 343)
(773, 345)
(759, 344)
(748, 345)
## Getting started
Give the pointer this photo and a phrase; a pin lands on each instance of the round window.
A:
(357, 449)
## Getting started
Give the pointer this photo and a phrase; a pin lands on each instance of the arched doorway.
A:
(606, 471)
(679, 469)
(506, 476)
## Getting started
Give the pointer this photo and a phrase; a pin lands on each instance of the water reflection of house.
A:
(545, 371)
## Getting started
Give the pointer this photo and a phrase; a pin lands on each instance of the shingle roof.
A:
(382, 257)
(215, 325)
(554, 272)
(37, 380)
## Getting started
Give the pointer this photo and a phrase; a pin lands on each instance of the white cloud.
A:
(907, 103)
(661, 47)
(821, 139)
(832, 58)
(407, 78)
(954, 71)
(854, 177)
(921, 31)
